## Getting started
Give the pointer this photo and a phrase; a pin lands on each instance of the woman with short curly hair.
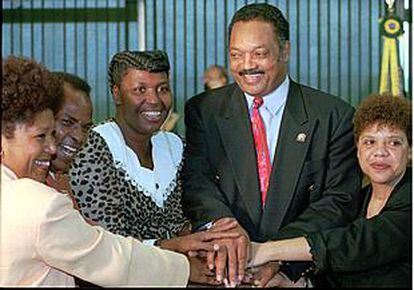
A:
(27, 89)
(29, 95)
(375, 249)
(387, 111)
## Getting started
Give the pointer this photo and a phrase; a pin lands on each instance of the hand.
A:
(257, 255)
(199, 273)
(206, 241)
(185, 230)
(281, 281)
(225, 225)
(233, 252)
(262, 275)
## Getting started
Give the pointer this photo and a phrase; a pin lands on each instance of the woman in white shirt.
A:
(127, 177)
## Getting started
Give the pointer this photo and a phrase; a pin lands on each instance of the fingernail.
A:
(232, 284)
(211, 266)
(218, 277)
(216, 247)
(241, 278)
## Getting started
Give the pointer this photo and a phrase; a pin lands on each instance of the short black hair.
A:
(267, 13)
(154, 61)
(75, 81)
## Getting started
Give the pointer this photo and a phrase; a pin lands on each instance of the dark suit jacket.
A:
(373, 252)
(312, 184)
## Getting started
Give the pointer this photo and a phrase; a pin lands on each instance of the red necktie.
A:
(262, 151)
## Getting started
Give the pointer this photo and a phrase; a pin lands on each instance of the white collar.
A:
(167, 150)
(7, 174)
(275, 99)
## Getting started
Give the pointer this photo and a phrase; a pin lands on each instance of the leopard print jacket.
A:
(106, 195)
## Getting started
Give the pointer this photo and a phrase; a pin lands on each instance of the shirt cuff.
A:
(318, 251)
(149, 242)
(204, 227)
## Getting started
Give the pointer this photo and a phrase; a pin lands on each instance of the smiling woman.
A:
(127, 177)
(33, 147)
(27, 118)
(128, 161)
(375, 249)
(44, 241)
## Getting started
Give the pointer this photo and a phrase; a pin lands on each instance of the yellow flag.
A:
(390, 79)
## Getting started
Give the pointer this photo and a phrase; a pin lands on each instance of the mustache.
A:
(250, 72)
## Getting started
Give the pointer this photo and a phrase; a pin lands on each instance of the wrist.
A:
(160, 243)
(256, 255)
(167, 244)
(272, 251)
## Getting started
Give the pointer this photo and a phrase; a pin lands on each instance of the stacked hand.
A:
(268, 275)
(231, 255)
(262, 276)
(206, 241)
(203, 244)
(224, 254)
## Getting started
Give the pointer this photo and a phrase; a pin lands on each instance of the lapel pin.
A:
(301, 137)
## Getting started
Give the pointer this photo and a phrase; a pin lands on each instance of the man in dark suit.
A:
(277, 156)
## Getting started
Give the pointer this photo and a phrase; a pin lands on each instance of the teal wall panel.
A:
(77, 36)
(335, 44)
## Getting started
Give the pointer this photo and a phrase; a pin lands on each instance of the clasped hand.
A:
(234, 260)
(209, 243)
(229, 260)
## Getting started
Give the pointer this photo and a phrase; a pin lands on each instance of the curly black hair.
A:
(28, 88)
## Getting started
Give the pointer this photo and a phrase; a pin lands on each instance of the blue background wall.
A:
(336, 44)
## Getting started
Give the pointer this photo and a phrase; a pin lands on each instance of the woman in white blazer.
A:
(44, 241)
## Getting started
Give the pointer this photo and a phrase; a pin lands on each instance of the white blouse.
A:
(167, 153)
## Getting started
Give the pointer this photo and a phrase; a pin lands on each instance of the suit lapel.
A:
(289, 157)
(235, 132)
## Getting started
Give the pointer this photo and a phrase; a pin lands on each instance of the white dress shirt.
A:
(271, 112)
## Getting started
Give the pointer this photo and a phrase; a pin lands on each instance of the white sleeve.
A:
(68, 243)
(149, 242)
